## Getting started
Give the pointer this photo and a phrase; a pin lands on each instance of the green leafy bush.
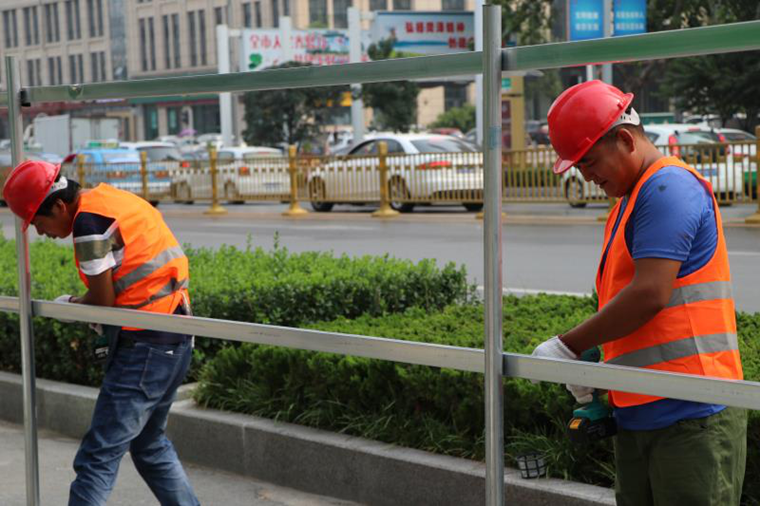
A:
(252, 285)
(430, 408)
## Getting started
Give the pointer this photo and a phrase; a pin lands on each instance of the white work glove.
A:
(96, 327)
(63, 298)
(555, 348)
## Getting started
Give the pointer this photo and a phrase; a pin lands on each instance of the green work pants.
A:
(698, 462)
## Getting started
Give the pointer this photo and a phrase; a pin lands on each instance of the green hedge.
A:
(429, 408)
(252, 285)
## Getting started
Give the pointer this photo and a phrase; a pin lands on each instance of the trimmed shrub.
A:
(436, 409)
(252, 285)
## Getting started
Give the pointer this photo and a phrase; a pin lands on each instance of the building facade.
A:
(84, 41)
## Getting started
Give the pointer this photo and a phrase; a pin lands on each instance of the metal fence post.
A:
(144, 173)
(385, 211)
(492, 294)
(295, 208)
(215, 208)
(80, 171)
(15, 127)
(755, 218)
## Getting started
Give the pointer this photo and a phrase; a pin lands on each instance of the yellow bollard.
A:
(603, 217)
(144, 174)
(295, 208)
(215, 209)
(80, 171)
(755, 218)
(385, 211)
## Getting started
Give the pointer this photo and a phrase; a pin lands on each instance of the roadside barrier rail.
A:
(491, 361)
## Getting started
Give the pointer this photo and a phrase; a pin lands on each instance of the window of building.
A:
(76, 70)
(378, 5)
(55, 75)
(94, 67)
(152, 40)
(402, 5)
(192, 38)
(318, 13)
(167, 42)
(206, 118)
(102, 59)
(257, 9)
(176, 39)
(220, 15)
(452, 5)
(34, 72)
(73, 26)
(151, 121)
(454, 95)
(95, 17)
(52, 25)
(10, 28)
(28, 26)
(286, 7)
(143, 45)
(202, 36)
(172, 120)
(276, 13)
(340, 13)
(247, 17)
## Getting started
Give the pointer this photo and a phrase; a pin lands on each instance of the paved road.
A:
(57, 452)
(545, 247)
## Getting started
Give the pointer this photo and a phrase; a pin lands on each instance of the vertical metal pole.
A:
(15, 127)
(607, 20)
(225, 99)
(494, 389)
(355, 56)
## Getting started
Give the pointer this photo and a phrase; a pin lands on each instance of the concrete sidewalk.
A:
(57, 453)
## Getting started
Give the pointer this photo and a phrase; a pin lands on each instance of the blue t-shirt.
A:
(674, 218)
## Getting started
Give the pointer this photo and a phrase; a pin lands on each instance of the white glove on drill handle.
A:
(555, 348)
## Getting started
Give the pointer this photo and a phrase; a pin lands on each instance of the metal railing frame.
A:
(491, 361)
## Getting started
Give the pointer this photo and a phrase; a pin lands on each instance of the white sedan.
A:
(422, 168)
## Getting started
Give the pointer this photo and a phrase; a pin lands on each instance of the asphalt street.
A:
(546, 247)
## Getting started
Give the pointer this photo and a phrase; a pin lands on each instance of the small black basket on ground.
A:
(531, 465)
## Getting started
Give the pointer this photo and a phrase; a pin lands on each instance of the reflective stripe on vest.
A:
(674, 350)
(169, 288)
(696, 331)
(147, 268)
(700, 292)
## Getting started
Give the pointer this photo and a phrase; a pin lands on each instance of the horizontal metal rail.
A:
(630, 379)
(706, 40)
(732, 37)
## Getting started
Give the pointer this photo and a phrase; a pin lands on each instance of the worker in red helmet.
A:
(126, 257)
(665, 304)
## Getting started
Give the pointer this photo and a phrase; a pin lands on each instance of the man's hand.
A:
(555, 348)
(63, 298)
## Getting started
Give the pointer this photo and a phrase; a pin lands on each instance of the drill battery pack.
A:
(585, 430)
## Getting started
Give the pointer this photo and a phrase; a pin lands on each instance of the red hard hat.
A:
(27, 187)
(580, 116)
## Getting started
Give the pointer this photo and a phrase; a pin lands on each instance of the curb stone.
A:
(304, 458)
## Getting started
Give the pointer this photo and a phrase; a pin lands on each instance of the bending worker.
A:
(665, 303)
(127, 257)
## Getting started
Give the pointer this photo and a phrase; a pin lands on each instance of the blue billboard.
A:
(585, 19)
(630, 17)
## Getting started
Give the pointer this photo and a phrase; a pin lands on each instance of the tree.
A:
(394, 103)
(291, 116)
(462, 118)
(723, 84)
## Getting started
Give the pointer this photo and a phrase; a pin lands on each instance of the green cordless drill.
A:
(592, 421)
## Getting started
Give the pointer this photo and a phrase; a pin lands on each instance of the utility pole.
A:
(355, 56)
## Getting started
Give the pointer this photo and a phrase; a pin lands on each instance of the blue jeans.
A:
(130, 415)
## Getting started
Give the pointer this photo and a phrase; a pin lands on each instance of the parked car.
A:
(744, 150)
(421, 168)
(700, 146)
(120, 167)
(251, 171)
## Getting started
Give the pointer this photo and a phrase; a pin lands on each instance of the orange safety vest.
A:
(696, 332)
(154, 273)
